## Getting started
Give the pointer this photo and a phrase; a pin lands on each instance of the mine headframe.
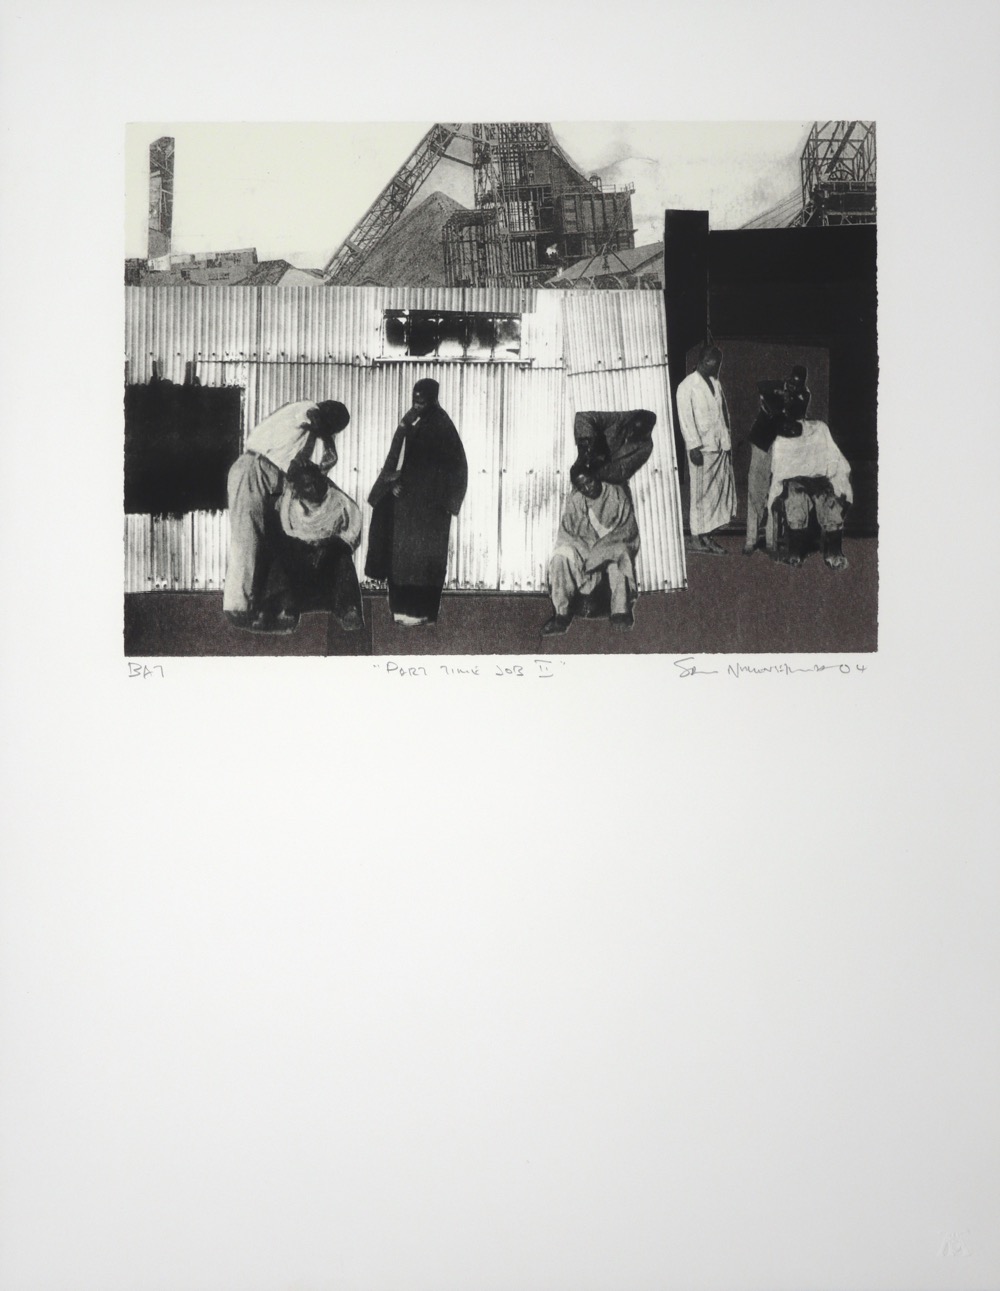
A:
(838, 174)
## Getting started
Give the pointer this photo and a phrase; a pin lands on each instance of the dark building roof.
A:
(230, 273)
(622, 266)
(266, 273)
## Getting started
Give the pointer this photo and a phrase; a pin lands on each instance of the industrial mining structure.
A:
(838, 174)
(534, 210)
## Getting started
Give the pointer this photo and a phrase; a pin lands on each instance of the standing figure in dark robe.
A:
(420, 487)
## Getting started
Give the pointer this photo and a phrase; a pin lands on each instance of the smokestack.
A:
(161, 196)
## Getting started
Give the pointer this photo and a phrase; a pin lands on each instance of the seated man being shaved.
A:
(318, 530)
(812, 475)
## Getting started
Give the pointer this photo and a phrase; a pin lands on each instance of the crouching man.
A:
(597, 534)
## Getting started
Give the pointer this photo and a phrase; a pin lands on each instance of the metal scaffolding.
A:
(533, 210)
(838, 174)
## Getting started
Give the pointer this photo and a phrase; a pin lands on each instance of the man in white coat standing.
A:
(704, 419)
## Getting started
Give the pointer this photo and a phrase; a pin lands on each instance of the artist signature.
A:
(688, 668)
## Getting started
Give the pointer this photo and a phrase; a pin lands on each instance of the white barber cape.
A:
(811, 455)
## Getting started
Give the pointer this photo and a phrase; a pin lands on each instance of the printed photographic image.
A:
(500, 388)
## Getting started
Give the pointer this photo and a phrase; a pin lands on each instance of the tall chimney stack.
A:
(161, 196)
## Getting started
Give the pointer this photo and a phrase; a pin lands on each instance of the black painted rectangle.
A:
(180, 442)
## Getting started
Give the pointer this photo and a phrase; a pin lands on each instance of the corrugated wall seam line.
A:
(623, 367)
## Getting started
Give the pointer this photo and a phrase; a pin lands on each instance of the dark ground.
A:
(733, 605)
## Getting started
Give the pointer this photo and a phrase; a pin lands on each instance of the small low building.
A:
(218, 268)
(631, 268)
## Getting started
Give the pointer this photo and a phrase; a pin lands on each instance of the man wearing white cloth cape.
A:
(704, 419)
(814, 475)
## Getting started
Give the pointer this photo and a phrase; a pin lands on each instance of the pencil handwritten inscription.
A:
(687, 667)
(145, 670)
(541, 668)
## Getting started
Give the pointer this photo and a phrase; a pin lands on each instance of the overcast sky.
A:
(295, 190)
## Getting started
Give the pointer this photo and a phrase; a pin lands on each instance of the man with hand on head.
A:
(302, 431)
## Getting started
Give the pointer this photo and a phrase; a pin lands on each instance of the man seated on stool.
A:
(598, 532)
(314, 542)
(818, 477)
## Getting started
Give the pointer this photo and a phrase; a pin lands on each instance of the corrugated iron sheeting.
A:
(500, 300)
(479, 531)
(211, 549)
(537, 452)
(594, 338)
(236, 325)
(606, 330)
(515, 419)
(335, 324)
(543, 332)
(176, 553)
(174, 325)
(138, 575)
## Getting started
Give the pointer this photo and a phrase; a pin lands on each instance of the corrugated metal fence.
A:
(579, 350)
